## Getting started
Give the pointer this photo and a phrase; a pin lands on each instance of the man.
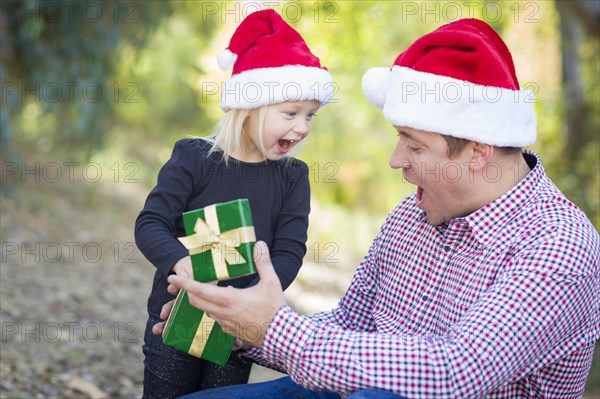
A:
(485, 283)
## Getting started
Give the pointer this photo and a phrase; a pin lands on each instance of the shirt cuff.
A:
(285, 338)
(252, 353)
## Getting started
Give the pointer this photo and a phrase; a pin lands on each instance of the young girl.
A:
(276, 87)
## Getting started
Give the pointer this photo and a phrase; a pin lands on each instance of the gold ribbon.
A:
(208, 236)
(201, 337)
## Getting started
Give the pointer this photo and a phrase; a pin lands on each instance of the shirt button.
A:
(425, 298)
(447, 248)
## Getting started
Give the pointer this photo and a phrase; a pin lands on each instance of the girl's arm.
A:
(156, 225)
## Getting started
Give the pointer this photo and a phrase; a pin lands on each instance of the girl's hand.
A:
(158, 328)
(183, 268)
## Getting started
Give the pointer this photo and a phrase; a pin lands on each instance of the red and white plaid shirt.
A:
(503, 303)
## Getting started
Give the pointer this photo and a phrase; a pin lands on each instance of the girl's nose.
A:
(302, 127)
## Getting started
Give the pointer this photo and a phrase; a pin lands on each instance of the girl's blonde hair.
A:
(231, 133)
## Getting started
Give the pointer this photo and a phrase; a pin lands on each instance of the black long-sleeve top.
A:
(279, 195)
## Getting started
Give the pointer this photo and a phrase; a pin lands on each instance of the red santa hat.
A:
(271, 64)
(459, 81)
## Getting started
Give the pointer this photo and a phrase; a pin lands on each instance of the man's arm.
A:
(515, 328)
(354, 311)
(536, 313)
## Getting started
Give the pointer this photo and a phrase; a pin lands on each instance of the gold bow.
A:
(208, 236)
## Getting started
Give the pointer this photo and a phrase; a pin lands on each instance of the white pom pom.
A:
(225, 59)
(375, 84)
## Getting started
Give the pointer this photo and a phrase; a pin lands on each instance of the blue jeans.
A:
(283, 388)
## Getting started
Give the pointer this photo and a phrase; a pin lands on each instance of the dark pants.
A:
(170, 373)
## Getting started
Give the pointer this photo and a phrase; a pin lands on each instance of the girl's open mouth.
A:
(285, 145)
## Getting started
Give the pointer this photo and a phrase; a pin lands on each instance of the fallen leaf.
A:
(87, 388)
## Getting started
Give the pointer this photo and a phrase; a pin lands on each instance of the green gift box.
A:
(220, 239)
(189, 329)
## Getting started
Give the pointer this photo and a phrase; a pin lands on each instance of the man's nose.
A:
(399, 159)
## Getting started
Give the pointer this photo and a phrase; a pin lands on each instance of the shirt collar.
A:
(488, 220)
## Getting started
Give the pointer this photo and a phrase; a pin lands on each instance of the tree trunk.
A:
(576, 110)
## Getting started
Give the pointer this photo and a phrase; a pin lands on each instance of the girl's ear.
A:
(251, 115)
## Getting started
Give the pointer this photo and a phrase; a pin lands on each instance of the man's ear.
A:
(481, 155)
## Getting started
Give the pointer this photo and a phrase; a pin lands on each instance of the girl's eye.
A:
(311, 115)
(291, 114)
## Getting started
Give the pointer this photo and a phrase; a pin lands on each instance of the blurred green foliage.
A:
(92, 75)
(59, 58)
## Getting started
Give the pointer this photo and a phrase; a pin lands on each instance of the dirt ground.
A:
(73, 288)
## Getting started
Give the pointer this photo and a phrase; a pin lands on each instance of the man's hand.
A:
(182, 268)
(244, 313)
(158, 328)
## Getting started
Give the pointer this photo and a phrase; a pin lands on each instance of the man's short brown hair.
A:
(456, 145)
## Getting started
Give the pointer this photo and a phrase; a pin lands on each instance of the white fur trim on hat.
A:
(257, 87)
(226, 59)
(453, 107)
(375, 84)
